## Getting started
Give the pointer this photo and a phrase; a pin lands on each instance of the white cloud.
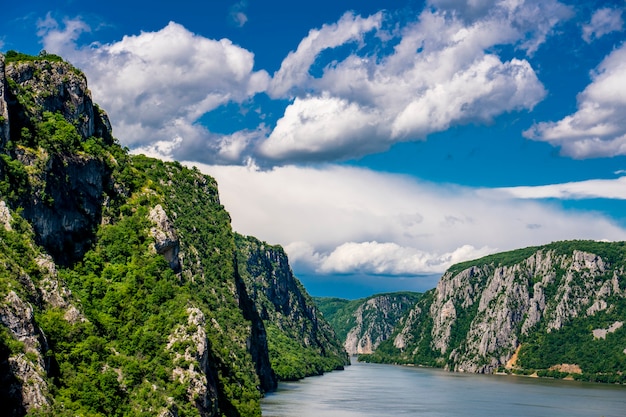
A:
(294, 70)
(438, 75)
(156, 85)
(532, 20)
(613, 189)
(57, 37)
(598, 128)
(348, 220)
(391, 259)
(603, 21)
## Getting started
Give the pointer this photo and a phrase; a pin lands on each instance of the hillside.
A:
(364, 323)
(556, 310)
(120, 287)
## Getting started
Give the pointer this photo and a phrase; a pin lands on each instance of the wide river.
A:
(385, 390)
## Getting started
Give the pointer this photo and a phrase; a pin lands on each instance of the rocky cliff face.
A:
(375, 320)
(63, 193)
(483, 312)
(364, 323)
(120, 290)
(288, 312)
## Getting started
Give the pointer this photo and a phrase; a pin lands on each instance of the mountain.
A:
(555, 310)
(123, 290)
(364, 323)
(301, 342)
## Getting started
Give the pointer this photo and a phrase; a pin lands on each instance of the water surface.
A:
(385, 390)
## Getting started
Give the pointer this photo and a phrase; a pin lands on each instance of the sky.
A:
(378, 142)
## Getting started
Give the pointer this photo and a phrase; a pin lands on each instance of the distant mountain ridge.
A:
(555, 310)
(364, 323)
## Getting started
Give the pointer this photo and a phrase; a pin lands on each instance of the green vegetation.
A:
(292, 361)
(600, 359)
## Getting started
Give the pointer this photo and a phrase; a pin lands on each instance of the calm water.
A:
(385, 390)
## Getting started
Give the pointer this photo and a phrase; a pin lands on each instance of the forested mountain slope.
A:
(120, 292)
(364, 323)
(301, 342)
(556, 310)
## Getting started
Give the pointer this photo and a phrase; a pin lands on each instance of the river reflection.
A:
(386, 390)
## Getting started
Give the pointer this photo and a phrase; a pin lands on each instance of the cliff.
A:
(120, 290)
(555, 310)
(364, 323)
(301, 343)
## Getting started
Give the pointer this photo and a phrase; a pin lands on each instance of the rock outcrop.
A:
(166, 242)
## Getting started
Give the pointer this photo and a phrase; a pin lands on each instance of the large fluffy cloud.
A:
(348, 220)
(157, 85)
(387, 83)
(598, 128)
(439, 74)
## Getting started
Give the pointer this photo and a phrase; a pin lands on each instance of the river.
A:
(386, 390)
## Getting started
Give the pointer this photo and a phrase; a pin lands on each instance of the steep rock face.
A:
(166, 242)
(65, 223)
(481, 312)
(64, 192)
(26, 362)
(54, 87)
(27, 367)
(375, 321)
(286, 310)
(189, 345)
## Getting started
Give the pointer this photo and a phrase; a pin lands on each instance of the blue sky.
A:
(378, 142)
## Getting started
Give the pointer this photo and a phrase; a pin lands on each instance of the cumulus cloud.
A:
(438, 75)
(389, 259)
(157, 85)
(598, 128)
(347, 220)
(603, 21)
(441, 72)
